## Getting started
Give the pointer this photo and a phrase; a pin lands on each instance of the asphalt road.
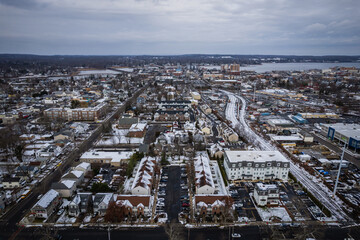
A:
(247, 232)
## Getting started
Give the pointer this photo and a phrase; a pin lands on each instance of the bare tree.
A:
(174, 231)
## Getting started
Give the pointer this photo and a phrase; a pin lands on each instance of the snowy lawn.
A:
(64, 218)
(269, 214)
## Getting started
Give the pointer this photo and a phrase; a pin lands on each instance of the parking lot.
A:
(173, 196)
(244, 207)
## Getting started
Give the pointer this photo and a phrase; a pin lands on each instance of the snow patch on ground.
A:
(64, 218)
(269, 214)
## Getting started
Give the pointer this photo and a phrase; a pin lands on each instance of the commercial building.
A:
(256, 165)
(115, 158)
(346, 133)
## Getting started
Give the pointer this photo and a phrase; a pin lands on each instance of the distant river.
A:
(268, 67)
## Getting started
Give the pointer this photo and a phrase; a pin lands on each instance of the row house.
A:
(228, 133)
(170, 116)
(210, 205)
(144, 178)
(204, 182)
(135, 205)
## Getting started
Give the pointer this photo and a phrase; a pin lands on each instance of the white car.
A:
(236, 235)
(161, 204)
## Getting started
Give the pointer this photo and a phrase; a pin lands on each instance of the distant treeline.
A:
(90, 61)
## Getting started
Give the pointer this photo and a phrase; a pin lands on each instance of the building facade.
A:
(266, 194)
(256, 165)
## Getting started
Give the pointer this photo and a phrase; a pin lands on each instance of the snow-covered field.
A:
(320, 191)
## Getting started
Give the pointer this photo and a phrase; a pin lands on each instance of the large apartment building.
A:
(256, 165)
(77, 114)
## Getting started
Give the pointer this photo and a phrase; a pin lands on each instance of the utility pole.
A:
(254, 90)
(338, 175)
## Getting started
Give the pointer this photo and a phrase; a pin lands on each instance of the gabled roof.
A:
(135, 200)
(203, 172)
(144, 174)
(48, 197)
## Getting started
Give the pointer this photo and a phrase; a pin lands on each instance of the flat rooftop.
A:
(348, 130)
(255, 156)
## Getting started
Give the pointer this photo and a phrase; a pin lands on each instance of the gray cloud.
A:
(177, 27)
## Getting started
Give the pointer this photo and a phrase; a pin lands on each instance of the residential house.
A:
(47, 204)
(143, 181)
(126, 121)
(138, 130)
(47, 153)
(66, 188)
(84, 167)
(212, 204)
(80, 204)
(65, 134)
(75, 175)
(204, 183)
(135, 205)
(266, 194)
(12, 182)
(101, 202)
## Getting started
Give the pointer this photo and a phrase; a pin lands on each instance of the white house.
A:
(266, 194)
(47, 204)
(101, 202)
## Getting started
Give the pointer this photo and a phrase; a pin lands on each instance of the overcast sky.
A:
(116, 27)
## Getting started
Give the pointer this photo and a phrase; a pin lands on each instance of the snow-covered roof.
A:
(202, 171)
(77, 173)
(83, 165)
(103, 198)
(106, 155)
(138, 127)
(48, 198)
(255, 156)
(68, 183)
(144, 174)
